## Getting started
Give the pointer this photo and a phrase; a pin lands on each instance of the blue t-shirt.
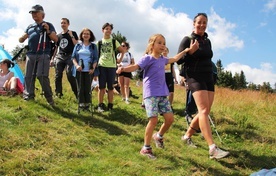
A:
(154, 82)
(84, 54)
(34, 31)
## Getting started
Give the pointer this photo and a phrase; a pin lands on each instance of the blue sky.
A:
(241, 31)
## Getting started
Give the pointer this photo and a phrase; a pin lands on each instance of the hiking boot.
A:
(110, 107)
(217, 153)
(147, 152)
(158, 141)
(101, 107)
(189, 142)
(50, 101)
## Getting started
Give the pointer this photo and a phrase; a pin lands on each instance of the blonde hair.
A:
(151, 42)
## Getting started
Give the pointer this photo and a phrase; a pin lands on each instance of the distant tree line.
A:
(238, 81)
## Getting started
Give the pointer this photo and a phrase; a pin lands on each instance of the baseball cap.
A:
(36, 8)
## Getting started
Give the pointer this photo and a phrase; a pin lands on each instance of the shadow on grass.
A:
(89, 119)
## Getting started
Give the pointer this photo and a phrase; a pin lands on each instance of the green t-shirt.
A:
(107, 54)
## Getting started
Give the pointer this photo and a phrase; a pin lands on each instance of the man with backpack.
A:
(67, 39)
(39, 35)
(107, 65)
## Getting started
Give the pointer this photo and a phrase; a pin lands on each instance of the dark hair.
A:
(127, 44)
(92, 36)
(199, 14)
(107, 24)
(9, 63)
(66, 19)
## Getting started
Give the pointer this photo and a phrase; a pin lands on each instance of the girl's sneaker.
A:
(147, 152)
(158, 141)
(217, 153)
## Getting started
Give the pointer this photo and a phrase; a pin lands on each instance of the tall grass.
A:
(36, 139)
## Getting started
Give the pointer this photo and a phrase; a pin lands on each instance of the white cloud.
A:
(255, 75)
(270, 6)
(136, 20)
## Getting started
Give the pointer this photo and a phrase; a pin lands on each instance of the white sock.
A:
(211, 147)
(158, 135)
(186, 137)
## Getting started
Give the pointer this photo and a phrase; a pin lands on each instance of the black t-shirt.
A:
(65, 42)
(199, 64)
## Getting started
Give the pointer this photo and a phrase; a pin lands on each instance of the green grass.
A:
(38, 140)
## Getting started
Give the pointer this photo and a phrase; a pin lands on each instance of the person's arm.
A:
(129, 68)
(193, 46)
(73, 36)
(50, 31)
(23, 37)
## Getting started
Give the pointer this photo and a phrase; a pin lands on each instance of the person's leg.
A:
(126, 87)
(121, 84)
(59, 68)
(87, 88)
(43, 68)
(30, 77)
(111, 72)
(201, 120)
(12, 83)
(70, 77)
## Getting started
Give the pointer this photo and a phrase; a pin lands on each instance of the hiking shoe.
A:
(217, 153)
(189, 142)
(110, 107)
(158, 141)
(101, 107)
(147, 152)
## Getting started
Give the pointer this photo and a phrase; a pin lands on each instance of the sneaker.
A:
(101, 107)
(158, 141)
(127, 102)
(110, 107)
(217, 153)
(82, 105)
(189, 142)
(147, 152)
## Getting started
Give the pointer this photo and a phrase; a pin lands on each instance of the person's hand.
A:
(46, 27)
(52, 63)
(79, 68)
(194, 45)
(119, 70)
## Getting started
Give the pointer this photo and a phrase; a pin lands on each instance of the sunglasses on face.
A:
(123, 45)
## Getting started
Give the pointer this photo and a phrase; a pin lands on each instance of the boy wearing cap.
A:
(39, 35)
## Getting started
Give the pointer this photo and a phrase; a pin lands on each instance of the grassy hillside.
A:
(36, 139)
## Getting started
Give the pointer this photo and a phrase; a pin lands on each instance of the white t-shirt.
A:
(126, 59)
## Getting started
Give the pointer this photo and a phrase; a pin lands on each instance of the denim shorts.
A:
(155, 105)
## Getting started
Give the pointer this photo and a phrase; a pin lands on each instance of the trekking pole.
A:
(36, 61)
(214, 128)
(43, 59)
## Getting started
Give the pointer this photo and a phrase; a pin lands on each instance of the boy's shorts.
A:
(155, 105)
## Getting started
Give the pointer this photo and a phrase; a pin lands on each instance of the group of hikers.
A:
(86, 62)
